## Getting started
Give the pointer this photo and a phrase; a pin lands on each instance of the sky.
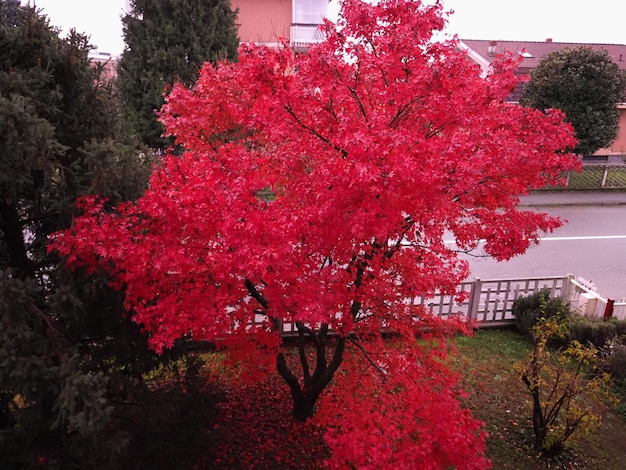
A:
(600, 21)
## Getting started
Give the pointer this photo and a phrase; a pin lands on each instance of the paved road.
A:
(591, 245)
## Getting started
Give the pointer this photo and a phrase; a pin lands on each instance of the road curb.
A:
(572, 204)
(573, 199)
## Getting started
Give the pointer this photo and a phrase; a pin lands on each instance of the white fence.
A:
(490, 302)
(590, 303)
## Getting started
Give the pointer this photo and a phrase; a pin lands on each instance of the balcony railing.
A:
(303, 35)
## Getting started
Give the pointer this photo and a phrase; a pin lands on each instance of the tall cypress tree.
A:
(59, 140)
(168, 41)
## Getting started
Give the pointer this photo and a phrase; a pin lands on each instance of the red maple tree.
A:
(315, 190)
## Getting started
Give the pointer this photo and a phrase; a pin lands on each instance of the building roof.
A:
(533, 51)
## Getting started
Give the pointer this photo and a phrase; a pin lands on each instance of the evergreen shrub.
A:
(528, 310)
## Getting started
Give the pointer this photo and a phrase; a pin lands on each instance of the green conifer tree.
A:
(59, 139)
(167, 41)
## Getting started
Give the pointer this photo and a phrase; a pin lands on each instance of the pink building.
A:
(265, 22)
(268, 21)
(108, 62)
(618, 147)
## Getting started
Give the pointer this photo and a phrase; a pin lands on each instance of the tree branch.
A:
(353, 91)
(302, 355)
(288, 377)
(369, 359)
(256, 295)
(319, 340)
(289, 109)
(402, 110)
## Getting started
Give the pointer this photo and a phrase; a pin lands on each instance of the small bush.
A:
(529, 309)
(615, 363)
(620, 327)
(564, 400)
(592, 331)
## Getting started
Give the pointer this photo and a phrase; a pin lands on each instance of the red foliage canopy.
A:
(373, 146)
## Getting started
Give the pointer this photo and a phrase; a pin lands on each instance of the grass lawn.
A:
(217, 423)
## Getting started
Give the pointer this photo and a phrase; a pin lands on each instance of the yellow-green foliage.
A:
(565, 398)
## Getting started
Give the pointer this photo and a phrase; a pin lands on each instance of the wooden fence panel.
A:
(447, 305)
(491, 301)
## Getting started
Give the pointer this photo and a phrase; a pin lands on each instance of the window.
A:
(309, 11)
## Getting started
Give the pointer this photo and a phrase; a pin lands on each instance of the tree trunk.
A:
(11, 226)
(304, 407)
(305, 398)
